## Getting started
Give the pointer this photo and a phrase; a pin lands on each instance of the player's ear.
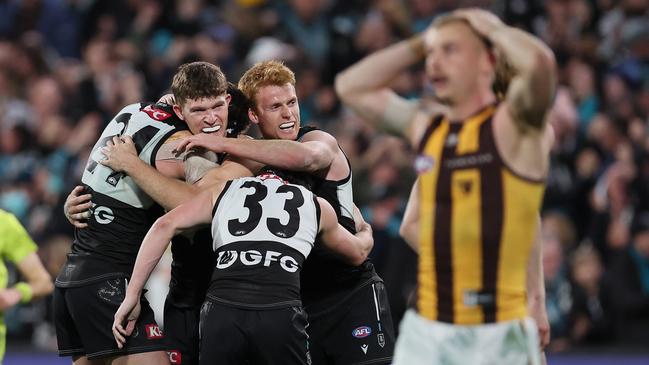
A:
(253, 116)
(179, 112)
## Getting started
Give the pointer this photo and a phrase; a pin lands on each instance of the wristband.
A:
(25, 291)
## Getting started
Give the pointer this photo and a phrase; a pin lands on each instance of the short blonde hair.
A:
(504, 72)
(266, 73)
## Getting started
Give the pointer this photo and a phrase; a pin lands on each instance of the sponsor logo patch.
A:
(361, 332)
(153, 332)
(364, 347)
(424, 163)
(155, 113)
(175, 357)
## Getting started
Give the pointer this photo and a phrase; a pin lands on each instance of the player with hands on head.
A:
(483, 144)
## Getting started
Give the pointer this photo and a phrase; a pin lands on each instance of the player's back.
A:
(121, 212)
(477, 224)
(263, 229)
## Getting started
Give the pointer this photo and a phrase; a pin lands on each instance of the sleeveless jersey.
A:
(121, 213)
(263, 229)
(192, 264)
(325, 274)
(477, 225)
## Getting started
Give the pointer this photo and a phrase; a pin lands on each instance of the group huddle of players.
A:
(278, 242)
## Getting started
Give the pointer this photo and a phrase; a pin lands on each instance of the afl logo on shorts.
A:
(424, 163)
(361, 332)
(103, 215)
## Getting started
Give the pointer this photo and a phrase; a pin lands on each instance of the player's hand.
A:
(540, 316)
(128, 312)
(359, 221)
(201, 140)
(167, 99)
(77, 207)
(8, 298)
(120, 154)
(482, 21)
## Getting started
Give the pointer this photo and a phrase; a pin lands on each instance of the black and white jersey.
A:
(262, 229)
(325, 273)
(121, 212)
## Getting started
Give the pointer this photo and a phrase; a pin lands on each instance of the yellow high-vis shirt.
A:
(15, 245)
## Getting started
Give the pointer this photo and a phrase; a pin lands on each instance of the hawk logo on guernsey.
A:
(361, 332)
(153, 332)
(155, 113)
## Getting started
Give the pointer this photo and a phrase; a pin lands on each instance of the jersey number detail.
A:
(140, 139)
(274, 225)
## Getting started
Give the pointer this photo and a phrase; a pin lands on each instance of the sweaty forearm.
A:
(166, 191)
(535, 282)
(379, 69)
(523, 51)
(290, 155)
(151, 250)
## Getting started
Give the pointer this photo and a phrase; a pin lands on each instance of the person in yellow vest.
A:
(482, 163)
(18, 248)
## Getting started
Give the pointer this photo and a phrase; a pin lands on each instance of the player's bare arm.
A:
(409, 229)
(160, 182)
(364, 87)
(520, 122)
(194, 212)
(354, 248)
(532, 89)
(311, 156)
(536, 289)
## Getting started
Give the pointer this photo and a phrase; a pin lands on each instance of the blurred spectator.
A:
(558, 297)
(592, 315)
(629, 277)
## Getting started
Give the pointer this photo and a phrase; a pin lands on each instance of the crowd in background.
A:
(67, 66)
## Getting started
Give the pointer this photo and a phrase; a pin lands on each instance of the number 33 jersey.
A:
(263, 229)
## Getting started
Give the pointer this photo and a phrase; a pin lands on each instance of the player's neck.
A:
(469, 105)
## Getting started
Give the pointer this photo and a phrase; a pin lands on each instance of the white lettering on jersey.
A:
(227, 258)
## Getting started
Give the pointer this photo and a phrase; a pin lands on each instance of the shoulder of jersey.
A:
(159, 112)
(306, 129)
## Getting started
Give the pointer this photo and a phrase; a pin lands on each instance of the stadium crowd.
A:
(67, 66)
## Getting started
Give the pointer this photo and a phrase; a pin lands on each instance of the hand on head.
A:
(482, 21)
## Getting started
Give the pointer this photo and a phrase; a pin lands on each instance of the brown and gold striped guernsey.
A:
(477, 225)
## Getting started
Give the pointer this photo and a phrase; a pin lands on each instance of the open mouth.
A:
(287, 126)
(439, 81)
(216, 128)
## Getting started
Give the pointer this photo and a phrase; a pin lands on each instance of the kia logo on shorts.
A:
(361, 332)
